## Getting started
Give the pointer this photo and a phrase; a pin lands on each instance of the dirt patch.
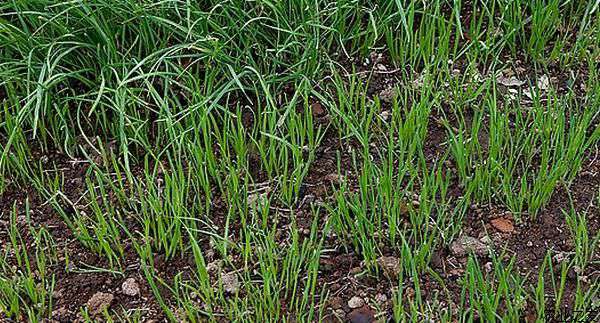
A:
(79, 273)
(531, 239)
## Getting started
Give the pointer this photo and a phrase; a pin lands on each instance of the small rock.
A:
(130, 287)
(356, 302)
(230, 283)
(504, 225)
(317, 109)
(464, 245)
(391, 266)
(361, 315)
(381, 298)
(99, 302)
(214, 267)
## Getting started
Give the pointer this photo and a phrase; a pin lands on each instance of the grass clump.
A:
(299, 160)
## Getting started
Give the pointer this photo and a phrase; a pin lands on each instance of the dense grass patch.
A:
(299, 160)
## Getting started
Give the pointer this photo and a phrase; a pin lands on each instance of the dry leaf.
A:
(509, 81)
(503, 225)
(391, 266)
(543, 83)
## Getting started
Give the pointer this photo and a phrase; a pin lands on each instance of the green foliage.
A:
(201, 125)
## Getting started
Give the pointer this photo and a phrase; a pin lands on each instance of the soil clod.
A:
(130, 287)
(465, 245)
(99, 302)
(356, 302)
